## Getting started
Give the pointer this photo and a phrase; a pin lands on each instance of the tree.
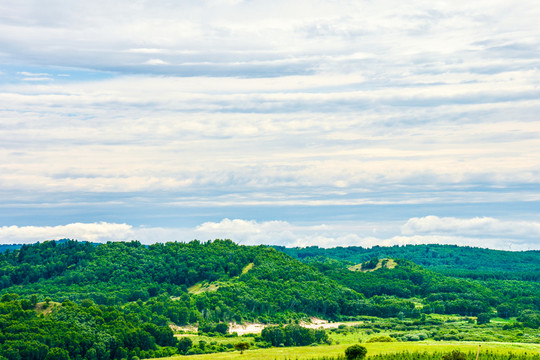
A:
(371, 264)
(530, 318)
(243, 345)
(57, 354)
(505, 310)
(355, 352)
(222, 328)
(483, 318)
(273, 335)
(184, 344)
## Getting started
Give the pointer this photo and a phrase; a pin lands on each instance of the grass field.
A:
(491, 337)
(373, 349)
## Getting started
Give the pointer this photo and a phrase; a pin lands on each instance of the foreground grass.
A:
(308, 352)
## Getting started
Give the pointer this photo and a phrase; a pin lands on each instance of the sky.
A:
(296, 123)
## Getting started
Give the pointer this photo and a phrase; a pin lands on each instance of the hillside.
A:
(374, 265)
(222, 281)
(113, 298)
(503, 286)
(116, 273)
(453, 260)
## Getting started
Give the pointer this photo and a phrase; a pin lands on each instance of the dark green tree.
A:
(57, 354)
(222, 328)
(355, 352)
(274, 335)
(184, 344)
(241, 346)
(483, 318)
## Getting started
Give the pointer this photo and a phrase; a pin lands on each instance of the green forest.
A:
(78, 300)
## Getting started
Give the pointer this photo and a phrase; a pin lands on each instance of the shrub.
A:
(410, 337)
(381, 339)
(355, 352)
(454, 355)
(263, 344)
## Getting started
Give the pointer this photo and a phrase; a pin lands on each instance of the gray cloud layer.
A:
(279, 104)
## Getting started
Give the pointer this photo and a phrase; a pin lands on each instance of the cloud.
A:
(26, 73)
(37, 78)
(100, 232)
(248, 232)
(29, 76)
(499, 236)
(101, 36)
(155, 62)
(478, 232)
(251, 103)
(152, 134)
(478, 226)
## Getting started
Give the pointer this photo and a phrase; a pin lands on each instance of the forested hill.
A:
(247, 282)
(222, 281)
(4, 247)
(109, 300)
(452, 260)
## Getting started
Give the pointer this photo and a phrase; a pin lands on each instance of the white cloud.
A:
(26, 73)
(248, 232)
(39, 78)
(146, 51)
(100, 232)
(486, 232)
(100, 34)
(349, 234)
(32, 77)
(156, 120)
(156, 62)
(478, 226)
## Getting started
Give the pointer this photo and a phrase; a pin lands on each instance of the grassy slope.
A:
(386, 263)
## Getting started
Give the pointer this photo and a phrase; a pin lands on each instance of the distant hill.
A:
(4, 247)
(451, 260)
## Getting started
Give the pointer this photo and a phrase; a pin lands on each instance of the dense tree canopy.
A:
(75, 300)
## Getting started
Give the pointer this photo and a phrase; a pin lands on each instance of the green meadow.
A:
(348, 334)
(309, 352)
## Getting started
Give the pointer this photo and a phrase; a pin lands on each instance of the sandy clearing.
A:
(257, 328)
